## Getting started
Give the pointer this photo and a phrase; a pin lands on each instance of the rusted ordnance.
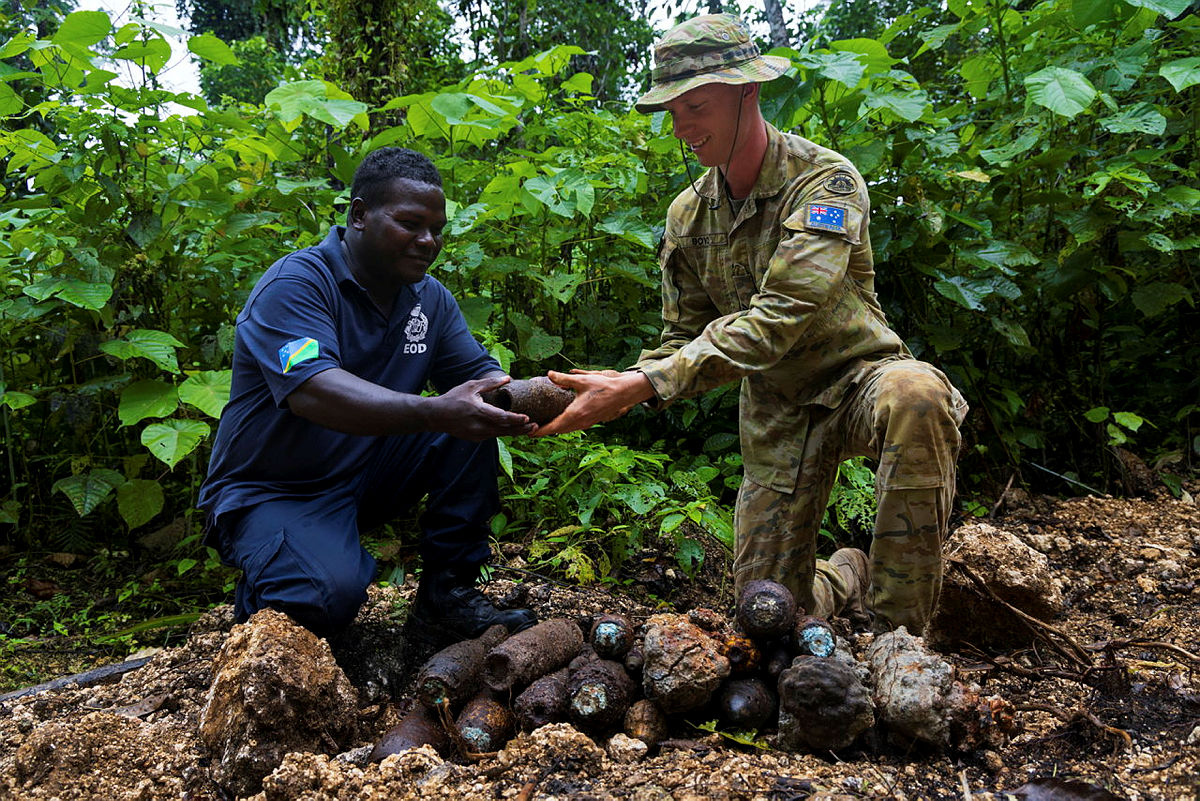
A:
(645, 721)
(814, 636)
(918, 697)
(611, 636)
(601, 692)
(485, 724)
(779, 658)
(746, 703)
(538, 397)
(544, 701)
(419, 727)
(822, 705)
(743, 654)
(455, 674)
(683, 665)
(635, 660)
(766, 609)
(532, 653)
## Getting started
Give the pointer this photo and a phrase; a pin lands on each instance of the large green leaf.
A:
(211, 48)
(83, 28)
(207, 390)
(542, 345)
(1168, 8)
(1182, 73)
(154, 53)
(87, 490)
(628, 224)
(157, 346)
(908, 106)
(1061, 90)
(143, 399)
(845, 68)
(172, 440)
(1155, 298)
(139, 501)
(85, 294)
(1138, 118)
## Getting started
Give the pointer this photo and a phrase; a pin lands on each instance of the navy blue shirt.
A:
(308, 314)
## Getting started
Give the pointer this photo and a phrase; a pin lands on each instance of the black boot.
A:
(448, 604)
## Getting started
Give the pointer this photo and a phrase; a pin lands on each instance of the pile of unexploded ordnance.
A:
(773, 668)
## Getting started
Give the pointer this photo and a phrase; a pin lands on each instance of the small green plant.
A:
(851, 506)
(1119, 426)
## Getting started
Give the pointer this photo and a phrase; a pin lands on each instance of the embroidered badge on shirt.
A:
(825, 217)
(298, 350)
(841, 183)
(415, 330)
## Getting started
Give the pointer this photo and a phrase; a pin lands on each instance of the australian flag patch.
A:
(825, 217)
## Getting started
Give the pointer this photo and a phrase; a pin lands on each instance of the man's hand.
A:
(600, 396)
(462, 412)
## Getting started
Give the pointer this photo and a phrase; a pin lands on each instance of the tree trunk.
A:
(779, 31)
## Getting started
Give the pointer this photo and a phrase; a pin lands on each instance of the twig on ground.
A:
(1076, 715)
(1072, 650)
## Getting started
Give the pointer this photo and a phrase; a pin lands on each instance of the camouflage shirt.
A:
(780, 294)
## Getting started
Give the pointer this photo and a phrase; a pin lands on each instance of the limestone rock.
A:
(683, 666)
(1015, 572)
(914, 689)
(275, 689)
(823, 706)
(625, 749)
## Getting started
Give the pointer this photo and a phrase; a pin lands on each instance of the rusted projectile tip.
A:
(419, 727)
(766, 609)
(746, 703)
(743, 653)
(611, 636)
(530, 654)
(814, 636)
(455, 673)
(538, 397)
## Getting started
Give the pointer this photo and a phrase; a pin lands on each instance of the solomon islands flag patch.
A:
(825, 217)
(298, 350)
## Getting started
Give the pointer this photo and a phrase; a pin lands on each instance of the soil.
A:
(1128, 723)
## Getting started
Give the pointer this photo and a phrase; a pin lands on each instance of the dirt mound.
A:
(1110, 694)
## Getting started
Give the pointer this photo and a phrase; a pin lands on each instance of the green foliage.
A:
(251, 69)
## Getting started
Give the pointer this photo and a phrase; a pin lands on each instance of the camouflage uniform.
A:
(780, 294)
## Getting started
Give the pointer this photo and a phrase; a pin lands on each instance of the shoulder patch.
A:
(298, 350)
(825, 217)
(841, 183)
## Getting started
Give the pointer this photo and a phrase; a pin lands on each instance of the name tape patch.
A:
(298, 350)
(825, 217)
(706, 240)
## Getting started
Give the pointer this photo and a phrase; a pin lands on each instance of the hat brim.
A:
(757, 70)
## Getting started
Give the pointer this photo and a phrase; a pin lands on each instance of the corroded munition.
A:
(532, 654)
(539, 397)
(746, 703)
(646, 721)
(601, 692)
(455, 674)
(419, 727)
(766, 609)
(635, 659)
(485, 724)
(683, 666)
(779, 658)
(544, 701)
(822, 705)
(743, 654)
(611, 636)
(814, 636)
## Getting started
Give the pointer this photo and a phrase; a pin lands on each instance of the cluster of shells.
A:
(772, 668)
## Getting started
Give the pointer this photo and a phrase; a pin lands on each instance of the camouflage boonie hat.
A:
(711, 48)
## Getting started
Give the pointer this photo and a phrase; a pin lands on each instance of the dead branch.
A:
(1072, 651)
(1071, 717)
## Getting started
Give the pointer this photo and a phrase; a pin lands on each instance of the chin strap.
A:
(715, 203)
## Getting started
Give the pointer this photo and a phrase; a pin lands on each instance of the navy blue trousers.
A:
(302, 555)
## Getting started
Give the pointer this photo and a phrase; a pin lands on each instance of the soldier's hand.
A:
(600, 396)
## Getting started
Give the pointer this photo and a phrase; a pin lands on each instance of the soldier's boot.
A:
(855, 569)
(449, 607)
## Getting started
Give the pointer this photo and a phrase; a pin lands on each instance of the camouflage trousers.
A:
(905, 414)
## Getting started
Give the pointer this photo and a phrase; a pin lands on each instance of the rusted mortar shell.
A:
(600, 692)
(743, 654)
(823, 705)
(539, 397)
(531, 654)
(645, 721)
(485, 724)
(544, 701)
(455, 673)
(814, 636)
(746, 703)
(586, 655)
(779, 659)
(611, 636)
(419, 727)
(766, 609)
(635, 659)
